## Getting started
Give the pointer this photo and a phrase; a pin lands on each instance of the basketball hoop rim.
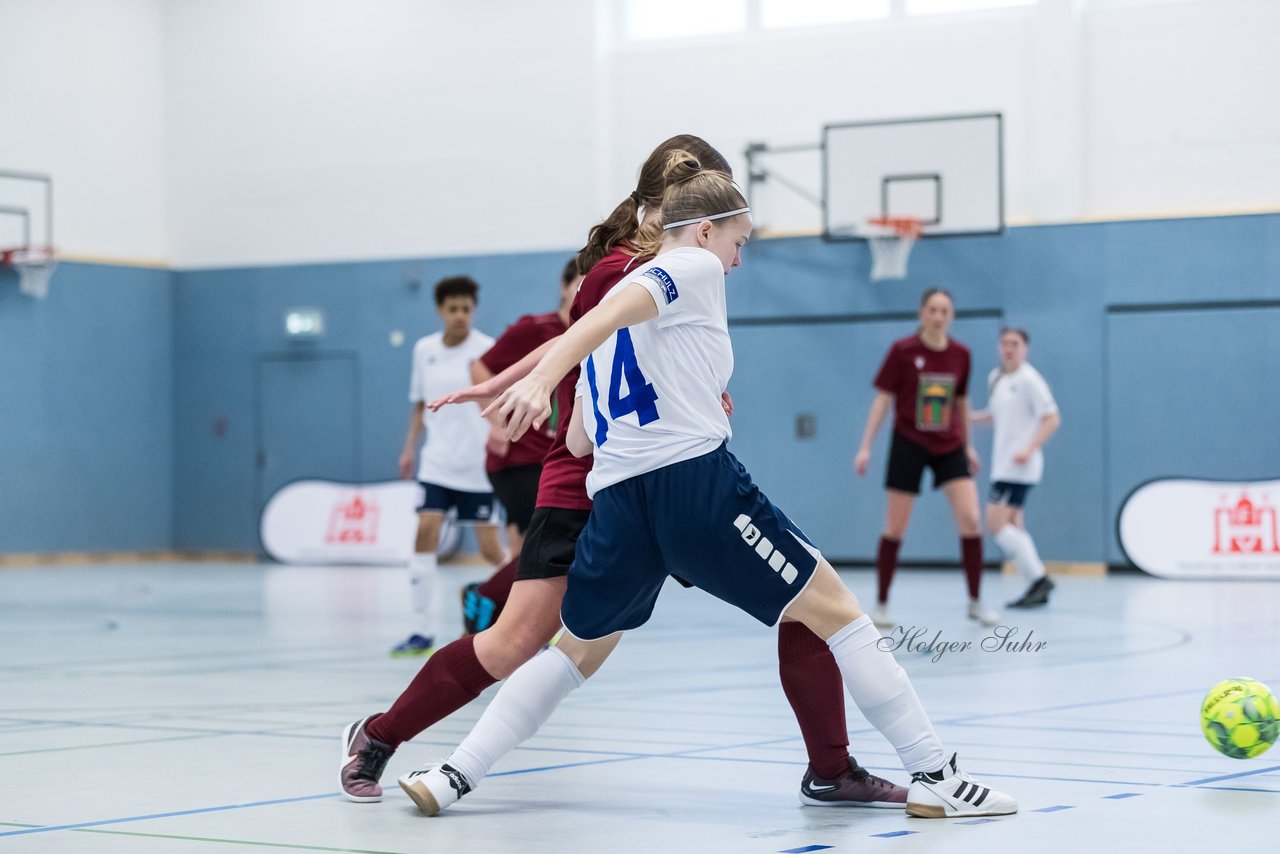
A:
(902, 226)
(35, 255)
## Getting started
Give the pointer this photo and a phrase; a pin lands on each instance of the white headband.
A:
(724, 215)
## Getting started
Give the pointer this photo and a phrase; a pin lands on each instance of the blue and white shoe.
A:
(477, 609)
(415, 647)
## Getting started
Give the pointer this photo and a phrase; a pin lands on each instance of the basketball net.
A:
(34, 266)
(891, 239)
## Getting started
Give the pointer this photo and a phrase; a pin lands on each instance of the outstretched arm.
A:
(495, 385)
(528, 402)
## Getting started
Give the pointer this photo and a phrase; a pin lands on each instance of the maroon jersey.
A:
(925, 384)
(564, 477)
(519, 340)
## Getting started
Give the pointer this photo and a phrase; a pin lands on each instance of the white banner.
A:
(1203, 529)
(318, 521)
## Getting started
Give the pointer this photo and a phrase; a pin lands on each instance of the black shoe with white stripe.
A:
(951, 793)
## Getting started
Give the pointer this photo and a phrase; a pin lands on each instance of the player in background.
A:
(925, 378)
(459, 672)
(514, 467)
(451, 463)
(1025, 415)
(669, 498)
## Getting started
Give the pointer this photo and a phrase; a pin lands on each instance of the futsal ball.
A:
(1240, 718)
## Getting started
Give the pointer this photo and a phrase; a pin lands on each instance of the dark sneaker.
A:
(477, 609)
(363, 760)
(858, 788)
(415, 646)
(1037, 594)
(435, 788)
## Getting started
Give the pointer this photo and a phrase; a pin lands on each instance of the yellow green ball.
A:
(1240, 718)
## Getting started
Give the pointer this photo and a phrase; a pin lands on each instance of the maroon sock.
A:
(886, 565)
(448, 681)
(813, 685)
(971, 559)
(498, 587)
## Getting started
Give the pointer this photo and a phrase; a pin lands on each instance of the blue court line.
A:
(976, 821)
(1235, 776)
(174, 814)
(1055, 808)
(1143, 732)
(891, 834)
(1238, 789)
(805, 849)
(1121, 796)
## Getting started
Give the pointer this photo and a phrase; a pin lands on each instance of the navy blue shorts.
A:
(1010, 494)
(703, 520)
(475, 507)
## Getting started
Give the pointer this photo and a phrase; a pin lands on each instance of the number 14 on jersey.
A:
(641, 398)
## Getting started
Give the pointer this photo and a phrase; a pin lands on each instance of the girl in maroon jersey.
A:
(459, 672)
(925, 378)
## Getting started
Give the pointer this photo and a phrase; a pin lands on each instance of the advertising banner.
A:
(1203, 529)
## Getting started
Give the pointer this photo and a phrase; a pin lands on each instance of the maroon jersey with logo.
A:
(519, 340)
(564, 477)
(925, 384)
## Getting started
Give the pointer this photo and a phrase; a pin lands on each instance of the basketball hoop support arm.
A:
(758, 174)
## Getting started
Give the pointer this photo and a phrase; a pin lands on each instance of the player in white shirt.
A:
(451, 463)
(669, 498)
(1025, 415)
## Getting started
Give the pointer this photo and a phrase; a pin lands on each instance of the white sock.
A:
(521, 707)
(1035, 566)
(883, 693)
(1018, 546)
(423, 580)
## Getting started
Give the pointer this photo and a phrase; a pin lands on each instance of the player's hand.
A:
(471, 394)
(406, 466)
(726, 403)
(975, 462)
(1022, 458)
(861, 461)
(496, 443)
(526, 404)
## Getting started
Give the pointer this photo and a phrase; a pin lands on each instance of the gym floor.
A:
(176, 708)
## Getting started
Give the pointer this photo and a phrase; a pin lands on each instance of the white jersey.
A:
(453, 454)
(1018, 402)
(650, 394)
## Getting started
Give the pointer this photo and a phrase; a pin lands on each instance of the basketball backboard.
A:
(947, 171)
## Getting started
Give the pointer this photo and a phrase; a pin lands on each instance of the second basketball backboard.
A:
(946, 171)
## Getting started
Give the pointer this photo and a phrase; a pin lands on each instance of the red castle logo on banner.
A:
(353, 522)
(1245, 527)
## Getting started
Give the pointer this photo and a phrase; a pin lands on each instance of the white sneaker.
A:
(880, 616)
(951, 793)
(987, 616)
(435, 788)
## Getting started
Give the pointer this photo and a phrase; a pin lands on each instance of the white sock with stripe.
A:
(519, 710)
(424, 577)
(883, 693)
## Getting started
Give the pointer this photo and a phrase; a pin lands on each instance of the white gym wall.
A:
(245, 132)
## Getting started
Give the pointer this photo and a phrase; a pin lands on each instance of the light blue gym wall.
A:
(227, 319)
(86, 412)
(112, 387)
(1142, 394)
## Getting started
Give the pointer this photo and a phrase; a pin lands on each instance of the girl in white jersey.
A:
(671, 499)
(1025, 415)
